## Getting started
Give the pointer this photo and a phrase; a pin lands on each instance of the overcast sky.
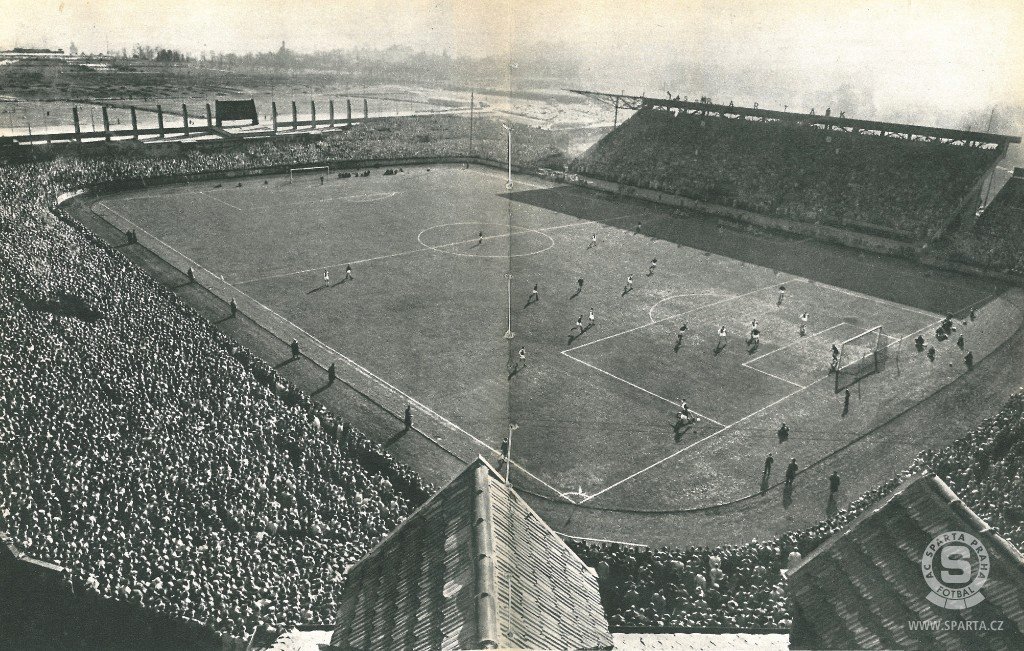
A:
(927, 52)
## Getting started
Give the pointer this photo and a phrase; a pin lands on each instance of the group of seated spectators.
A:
(741, 586)
(154, 459)
(996, 240)
(886, 186)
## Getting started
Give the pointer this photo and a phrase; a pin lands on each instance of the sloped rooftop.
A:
(862, 587)
(473, 568)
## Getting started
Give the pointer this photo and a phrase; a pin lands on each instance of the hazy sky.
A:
(928, 52)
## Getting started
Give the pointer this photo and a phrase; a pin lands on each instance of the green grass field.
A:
(424, 318)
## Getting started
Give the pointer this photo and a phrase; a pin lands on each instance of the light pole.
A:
(508, 456)
(508, 186)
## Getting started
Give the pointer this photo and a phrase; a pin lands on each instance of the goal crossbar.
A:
(316, 169)
(860, 356)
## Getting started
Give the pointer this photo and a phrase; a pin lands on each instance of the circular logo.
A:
(955, 566)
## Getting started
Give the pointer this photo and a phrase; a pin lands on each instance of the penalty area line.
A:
(639, 388)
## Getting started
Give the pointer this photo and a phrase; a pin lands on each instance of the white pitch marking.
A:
(333, 266)
(424, 248)
(674, 316)
(230, 205)
(880, 301)
(795, 343)
(639, 388)
(774, 376)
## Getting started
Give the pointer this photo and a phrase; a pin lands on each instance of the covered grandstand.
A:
(898, 181)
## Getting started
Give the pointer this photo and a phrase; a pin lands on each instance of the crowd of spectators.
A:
(996, 240)
(885, 186)
(741, 586)
(146, 453)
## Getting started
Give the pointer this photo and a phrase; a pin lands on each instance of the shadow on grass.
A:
(920, 286)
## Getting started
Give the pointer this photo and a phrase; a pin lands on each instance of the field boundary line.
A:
(880, 301)
(639, 388)
(359, 368)
(230, 205)
(796, 343)
(423, 248)
(772, 375)
(329, 266)
(581, 222)
(493, 173)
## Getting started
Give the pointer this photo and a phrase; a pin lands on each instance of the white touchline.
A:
(330, 266)
(422, 249)
(584, 222)
(638, 387)
(795, 343)
(880, 301)
(352, 363)
(772, 375)
(230, 205)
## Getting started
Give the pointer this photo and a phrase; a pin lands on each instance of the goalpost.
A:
(861, 356)
(321, 170)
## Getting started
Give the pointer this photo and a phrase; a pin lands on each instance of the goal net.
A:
(861, 356)
(299, 172)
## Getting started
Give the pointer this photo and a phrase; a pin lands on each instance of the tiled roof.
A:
(863, 586)
(700, 642)
(472, 568)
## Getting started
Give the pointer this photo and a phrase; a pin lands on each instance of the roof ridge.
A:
(483, 538)
(476, 463)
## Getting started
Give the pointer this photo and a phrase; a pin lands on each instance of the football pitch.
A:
(438, 306)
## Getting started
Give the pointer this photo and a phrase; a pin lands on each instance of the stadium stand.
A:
(883, 186)
(997, 240)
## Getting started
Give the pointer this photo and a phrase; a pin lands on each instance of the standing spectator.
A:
(783, 433)
(791, 470)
